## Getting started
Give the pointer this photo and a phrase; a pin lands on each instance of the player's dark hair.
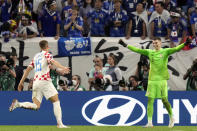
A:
(43, 44)
(160, 3)
(157, 38)
(143, 5)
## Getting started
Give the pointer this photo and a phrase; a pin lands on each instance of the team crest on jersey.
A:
(161, 55)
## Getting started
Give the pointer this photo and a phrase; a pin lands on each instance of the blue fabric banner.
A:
(101, 108)
(74, 46)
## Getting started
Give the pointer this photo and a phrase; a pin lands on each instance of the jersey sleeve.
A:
(138, 50)
(175, 49)
(31, 64)
(49, 57)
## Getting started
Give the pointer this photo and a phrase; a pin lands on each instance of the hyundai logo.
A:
(102, 111)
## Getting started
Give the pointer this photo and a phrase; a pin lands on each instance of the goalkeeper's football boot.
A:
(171, 122)
(148, 125)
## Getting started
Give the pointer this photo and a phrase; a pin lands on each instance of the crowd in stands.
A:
(25, 19)
(116, 18)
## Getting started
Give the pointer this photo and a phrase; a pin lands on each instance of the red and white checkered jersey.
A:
(40, 63)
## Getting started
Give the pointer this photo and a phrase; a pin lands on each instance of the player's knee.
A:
(54, 98)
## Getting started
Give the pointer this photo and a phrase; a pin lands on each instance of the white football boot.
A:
(14, 105)
(171, 122)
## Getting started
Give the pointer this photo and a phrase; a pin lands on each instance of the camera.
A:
(71, 82)
(61, 83)
(143, 60)
(123, 83)
(2, 63)
(9, 63)
(102, 83)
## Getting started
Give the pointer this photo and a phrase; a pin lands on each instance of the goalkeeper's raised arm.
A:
(133, 48)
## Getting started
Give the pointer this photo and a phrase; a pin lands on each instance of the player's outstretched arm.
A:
(57, 64)
(26, 73)
(179, 47)
(133, 48)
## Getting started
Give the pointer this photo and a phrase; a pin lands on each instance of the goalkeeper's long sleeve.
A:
(138, 50)
(175, 49)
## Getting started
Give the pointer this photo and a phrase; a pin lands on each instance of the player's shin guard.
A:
(57, 112)
(27, 105)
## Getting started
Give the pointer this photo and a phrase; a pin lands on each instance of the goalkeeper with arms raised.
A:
(158, 75)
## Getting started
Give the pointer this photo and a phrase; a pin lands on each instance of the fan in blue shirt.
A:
(66, 11)
(193, 22)
(158, 21)
(169, 5)
(137, 23)
(177, 27)
(108, 5)
(49, 21)
(99, 19)
(5, 10)
(130, 5)
(160, 27)
(74, 24)
(78, 3)
(118, 19)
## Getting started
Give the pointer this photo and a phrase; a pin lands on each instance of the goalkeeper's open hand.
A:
(188, 41)
(121, 42)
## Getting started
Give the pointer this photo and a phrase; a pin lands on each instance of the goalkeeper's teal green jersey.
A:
(158, 61)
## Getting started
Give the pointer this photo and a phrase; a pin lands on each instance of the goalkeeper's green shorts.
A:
(157, 89)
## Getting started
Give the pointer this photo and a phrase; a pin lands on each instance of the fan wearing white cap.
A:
(177, 27)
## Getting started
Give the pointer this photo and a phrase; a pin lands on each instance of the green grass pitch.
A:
(97, 128)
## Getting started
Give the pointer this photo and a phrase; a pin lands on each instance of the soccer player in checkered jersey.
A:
(42, 84)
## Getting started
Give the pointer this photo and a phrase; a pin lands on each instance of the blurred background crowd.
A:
(24, 19)
(116, 18)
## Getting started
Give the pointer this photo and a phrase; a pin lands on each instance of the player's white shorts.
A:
(43, 88)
